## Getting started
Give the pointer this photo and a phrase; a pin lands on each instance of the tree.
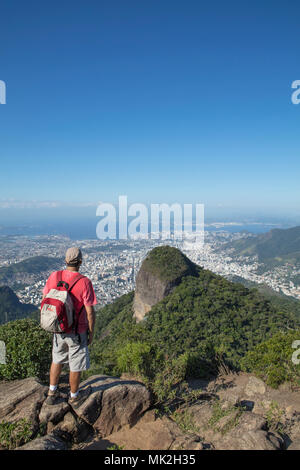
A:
(28, 350)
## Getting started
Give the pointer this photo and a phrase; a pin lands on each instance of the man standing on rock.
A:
(72, 348)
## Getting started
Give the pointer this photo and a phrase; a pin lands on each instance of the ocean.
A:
(83, 229)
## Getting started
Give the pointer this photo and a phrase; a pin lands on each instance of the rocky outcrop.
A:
(150, 433)
(233, 412)
(235, 430)
(248, 415)
(161, 271)
(49, 442)
(22, 399)
(149, 290)
(112, 404)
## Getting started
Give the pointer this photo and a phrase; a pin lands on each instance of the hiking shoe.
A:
(82, 395)
(54, 397)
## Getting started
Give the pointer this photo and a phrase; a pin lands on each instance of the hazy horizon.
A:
(162, 101)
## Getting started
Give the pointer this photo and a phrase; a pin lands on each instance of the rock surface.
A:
(49, 442)
(254, 386)
(153, 434)
(232, 424)
(152, 283)
(53, 413)
(113, 403)
(234, 412)
(234, 431)
(22, 399)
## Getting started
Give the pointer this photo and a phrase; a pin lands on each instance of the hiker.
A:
(72, 347)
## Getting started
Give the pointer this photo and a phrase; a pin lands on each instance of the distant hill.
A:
(11, 308)
(274, 248)
(205, 314)
(30, 266)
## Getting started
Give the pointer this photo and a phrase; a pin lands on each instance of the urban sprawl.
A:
(112, 265)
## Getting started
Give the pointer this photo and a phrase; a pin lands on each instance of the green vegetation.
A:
(205, 317)
(15, 434)
(135, 358)
(185, 421)
(218, 413)
(168, 263)
(273, 416)
(272, 359)
(205, 324)
(181, 413)
(28, 350)
(281, 301)
(116, 447)
(11, 308)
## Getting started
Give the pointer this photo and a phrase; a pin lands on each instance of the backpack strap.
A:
(76, 279)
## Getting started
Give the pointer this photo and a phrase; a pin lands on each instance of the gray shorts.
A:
(67, 349)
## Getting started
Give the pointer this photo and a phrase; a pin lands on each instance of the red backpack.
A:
(57, 309)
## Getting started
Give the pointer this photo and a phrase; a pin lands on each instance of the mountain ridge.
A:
(11, 308)
(274, 248)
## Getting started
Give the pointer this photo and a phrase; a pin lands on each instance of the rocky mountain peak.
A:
(162, 270)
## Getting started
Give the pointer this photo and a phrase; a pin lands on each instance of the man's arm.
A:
(91, 321)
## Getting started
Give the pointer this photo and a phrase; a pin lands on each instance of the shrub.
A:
(272, 359)
(218, 412)
(28, 350)
(168, 378)
(199, 367)
(137, 358)
(15, 434)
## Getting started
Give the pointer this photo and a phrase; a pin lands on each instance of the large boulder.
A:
(51, 441)
(113, 403)
(53, 413)
(161, 271)
(22, 399)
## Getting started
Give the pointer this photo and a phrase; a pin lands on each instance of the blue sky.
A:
(162, 101)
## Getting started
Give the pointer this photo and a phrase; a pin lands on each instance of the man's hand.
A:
(90, 337)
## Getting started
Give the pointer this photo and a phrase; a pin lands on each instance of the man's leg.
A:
(53, 393)
(78, 362)
(59, 357)
(55, 371)
(74, 379)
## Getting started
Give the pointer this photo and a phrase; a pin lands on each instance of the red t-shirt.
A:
(82, 294)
